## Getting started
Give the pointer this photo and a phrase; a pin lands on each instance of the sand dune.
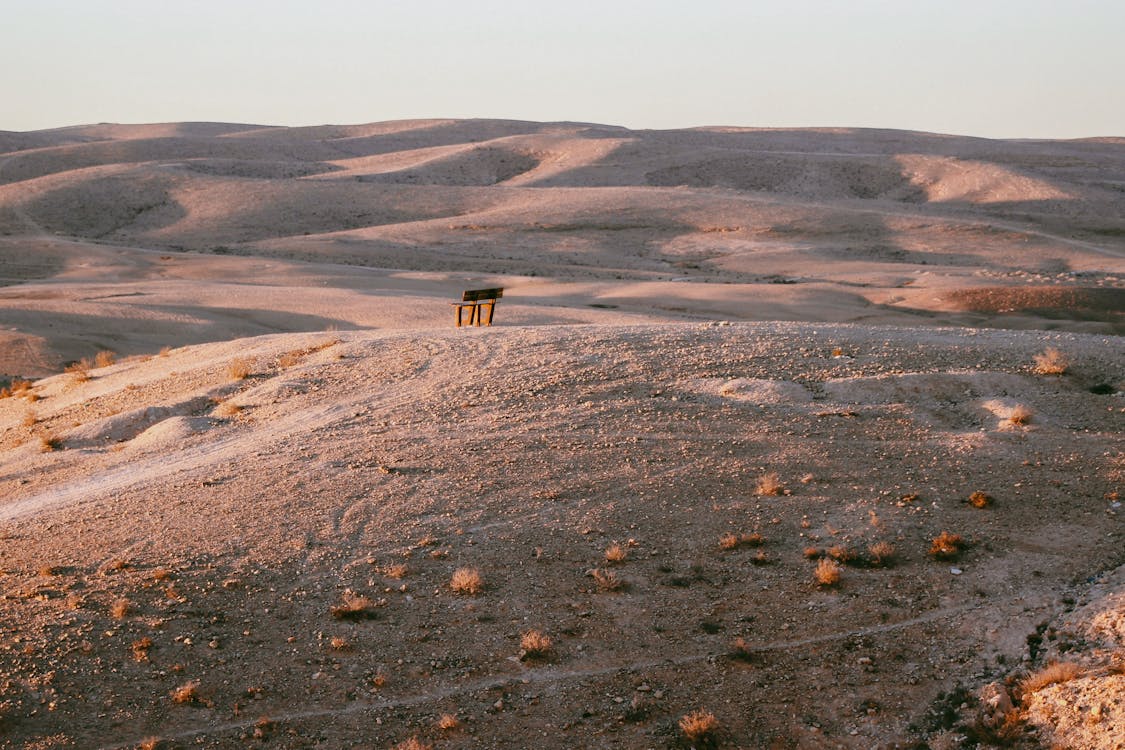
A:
(243, 529)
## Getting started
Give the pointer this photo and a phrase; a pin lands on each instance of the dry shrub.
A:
(187, 693)
(396, 571)
(412, 744)
(379, 681)
(841, 554)
(289, 359)
(466, 581)
(812, 553)
(120, 608)
(164, 351)
(227, 409)
(49, 443)
(18, 387)
(769, 484)
(339, 643)
(700, 727)
(79, 371)
(29, 419)
(730, 541)
(882, 554)
(1020, 416)
(239, 369)
(150, 743)
(140, 648)
(1051, 361)
(353, 607)
(827, 572)
(980, 499)
(1062, 671)
(607, 580)
(104, 358)
(49, 570)
(535, 644)
(161, 574)
(946, 546)
(740, 650)
(616, 553)
(448, 722)
(262, 728)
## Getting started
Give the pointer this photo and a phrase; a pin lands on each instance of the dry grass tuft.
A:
(535, 644)
(882, 554)
(827, 572)
(700, 727)
(1062, 671)
(161, 574)
(29, 419)
(120, 609)
(150, 743)
(980, 499)
(289, 359)
(607, 580)
(49, 443)
(1051, 361)
(339, 643)
(1020, 416)
(946, 546)
(448, 722)
(769, 484)
(728, 541)
(239, 369)
(466, 581)
(412, 744)
(105, 358)
(187, 693)
(353, 607)
(164, 351)
(813, 553)
(841, 554)
(616, 553)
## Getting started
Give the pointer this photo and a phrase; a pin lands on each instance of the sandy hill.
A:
(730, 365)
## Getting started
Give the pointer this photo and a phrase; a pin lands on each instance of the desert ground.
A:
(782, 438)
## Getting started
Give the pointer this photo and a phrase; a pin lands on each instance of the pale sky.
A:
(996, 68)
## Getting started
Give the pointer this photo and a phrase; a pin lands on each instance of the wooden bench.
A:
(475, 299)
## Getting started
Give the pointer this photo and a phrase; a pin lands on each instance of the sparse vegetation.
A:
(353, 606)
(731, 540)
(395, 570)
(1020, 416)
(841, 554)
(448, 722)
(1056, 672)
(48, 443)
(535, 644)
(827, 572)
(882, 554)
(740, 650)
(947, 546)
(607, 580)
(104, 358)
(186, 694)
(79, 371)
(1051, 361)
(700, 727)
(412, 744)
(239, 369)
(339, 643)
(980, 499)
(467, 581)
(616, 553)
(769, 484)
(141, 647)
(120, 609)
(227, 409)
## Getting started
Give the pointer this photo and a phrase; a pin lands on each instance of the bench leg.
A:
(491, 309)
(474, 314)
(459, 308)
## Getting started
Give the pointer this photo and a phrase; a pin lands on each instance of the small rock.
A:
(956, 571)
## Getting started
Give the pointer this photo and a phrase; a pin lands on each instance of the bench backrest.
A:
(476, 295)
